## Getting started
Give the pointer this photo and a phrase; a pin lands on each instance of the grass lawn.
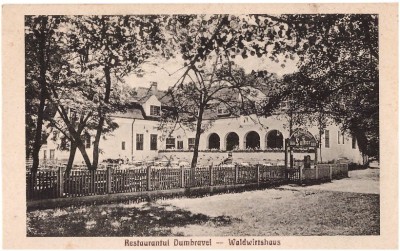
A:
(255, 213)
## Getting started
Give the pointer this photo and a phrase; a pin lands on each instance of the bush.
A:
(355, 166)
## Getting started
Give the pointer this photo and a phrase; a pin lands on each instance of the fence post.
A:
(60, 181)
(236, 174)
(148, 178)
(330, 172)
(109, 179)
(182, 176)
(316, 172)
(211, 176)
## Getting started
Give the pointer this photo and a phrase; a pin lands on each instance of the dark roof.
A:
(143, 94)
(133, 111)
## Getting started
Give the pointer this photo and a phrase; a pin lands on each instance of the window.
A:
(343, 138)
(139, 141)
(153, 141)
(222, 110)
(87, 141)
(123, 145)
(52, 153)
(338, 137)
(326, 138)
(353, 142)
(44, 154)
(191, 143)
(170, 143)
(180, 144)
(284, 105)
(154, 110)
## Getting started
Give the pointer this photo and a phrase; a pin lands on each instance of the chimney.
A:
(153, 87)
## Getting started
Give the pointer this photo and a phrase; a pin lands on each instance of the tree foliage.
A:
(76, 65)
(339, 74)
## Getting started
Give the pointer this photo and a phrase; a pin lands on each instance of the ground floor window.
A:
(87, 141)
(153, 141)
(252, 140)
(213, 141)
(52, 153)
(170, 143)
(353, 142)
(191, 143)
(44, 154)
(275, 139)
(139, 142)
(180, 144)
(326, 138)
(232, 141)
(123, 145)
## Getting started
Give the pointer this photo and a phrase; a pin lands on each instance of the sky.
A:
(167, 72)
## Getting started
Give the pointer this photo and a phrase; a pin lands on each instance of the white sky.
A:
(167, 73)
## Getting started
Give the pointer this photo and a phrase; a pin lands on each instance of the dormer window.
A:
(222, 110)
(155, 110)
(284, 105)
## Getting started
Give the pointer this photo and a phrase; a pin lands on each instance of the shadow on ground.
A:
(145, 219)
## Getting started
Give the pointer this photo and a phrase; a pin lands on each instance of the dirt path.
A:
(359, 181)
(343, 207)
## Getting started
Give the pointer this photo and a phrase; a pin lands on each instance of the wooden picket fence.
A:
(54, 183)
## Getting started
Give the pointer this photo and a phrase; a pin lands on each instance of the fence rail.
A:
(54, 183)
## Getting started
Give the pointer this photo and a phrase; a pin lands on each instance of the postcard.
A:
(233, 126)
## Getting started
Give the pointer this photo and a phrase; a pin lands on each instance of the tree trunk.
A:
(196, 144)
(100, 125)
(197, 138)
(38, 135)
(71, 157)
(85, 156)
(43, 94)
(96, 144)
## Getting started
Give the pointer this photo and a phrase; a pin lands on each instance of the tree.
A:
(102, 50)
(340, 64)
(221, 88)
(215, 41)
(40, 52)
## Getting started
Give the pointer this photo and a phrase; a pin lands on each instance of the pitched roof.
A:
(134, 111)
(143, 94)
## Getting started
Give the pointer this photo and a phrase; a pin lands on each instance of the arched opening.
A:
(252, 140)
(275, 139)
(232, 141)
(213, 141)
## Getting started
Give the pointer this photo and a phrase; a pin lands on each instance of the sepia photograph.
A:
(249, 127)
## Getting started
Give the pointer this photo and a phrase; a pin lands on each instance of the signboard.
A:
(302, 138)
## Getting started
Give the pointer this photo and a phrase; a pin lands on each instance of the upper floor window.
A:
(284, 105)
(155, 110)
(222, 110)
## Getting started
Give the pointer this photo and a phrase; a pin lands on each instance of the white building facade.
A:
(247, 138)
